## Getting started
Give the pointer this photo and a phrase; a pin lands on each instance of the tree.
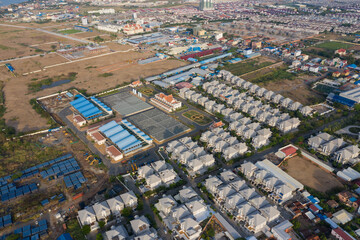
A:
(53, 47)
(99, 236)
(86, 229)
(13, 237)
(126, 212)
(298, 152)
(140, 205)
(296, 224)
(101, 224)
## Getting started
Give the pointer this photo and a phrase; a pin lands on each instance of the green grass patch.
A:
(69, 31)
(36, 85)
(148, 91)
(332, 45)
(74, 229)
(276, 75)
(3, 47)
(354, 129)
(20, 154)
(324, 89)
(245, 67)
(197, 117)
(89, 67)
(106, 75)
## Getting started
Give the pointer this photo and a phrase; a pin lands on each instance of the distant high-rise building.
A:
(134, 16)
(206, 5)
(84, 21)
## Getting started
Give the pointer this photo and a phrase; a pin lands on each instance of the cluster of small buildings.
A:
(265, 94)
(262, 178)
(102, 211)
(183, 213)
(242, 202)
(309, 207)
(141, 229)
(221, 141)
(190, 154)
(339, 150)
(157, 174)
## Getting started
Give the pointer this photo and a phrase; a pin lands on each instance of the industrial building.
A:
(353, 94)
(90, 109)
(124, 135)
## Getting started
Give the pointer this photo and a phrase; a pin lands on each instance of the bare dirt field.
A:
(310, 174)
(297, 90)
(17, 42)
(19, 113)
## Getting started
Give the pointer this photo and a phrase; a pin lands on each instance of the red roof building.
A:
(313, 208)
(182, 85)
(289, 151)
(114, 153)
(79, 120)
(341, 234)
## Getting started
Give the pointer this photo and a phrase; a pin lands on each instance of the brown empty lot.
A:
(19, 112)
(17, 42)
(310, 174)
(297, 90)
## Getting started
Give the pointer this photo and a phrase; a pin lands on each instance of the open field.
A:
(249, 65)
(17, 42)
(333, 45)
(310, 174)
(197, 117)
(297, 89)
(256, 74)
(19, 113)
(69, 31)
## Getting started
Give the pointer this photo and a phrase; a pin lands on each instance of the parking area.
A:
(125, 103)
(157, 124)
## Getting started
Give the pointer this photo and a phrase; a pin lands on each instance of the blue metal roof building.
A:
(87, 109)
(65, 236)
(122, 138)
(342, 100)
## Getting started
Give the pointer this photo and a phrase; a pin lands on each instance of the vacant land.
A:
(197, 117)
(20, 154)
(249, 65)
(275, 75)
(17, 42)
(19, 113)
(297, 89)
(327, 49)
(69, 31)
(310, 174)
(332, 45)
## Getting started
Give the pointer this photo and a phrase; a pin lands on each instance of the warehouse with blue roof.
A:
(126, 136)
(90, 109)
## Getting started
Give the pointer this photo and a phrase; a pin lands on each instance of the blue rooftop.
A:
(85, 107)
